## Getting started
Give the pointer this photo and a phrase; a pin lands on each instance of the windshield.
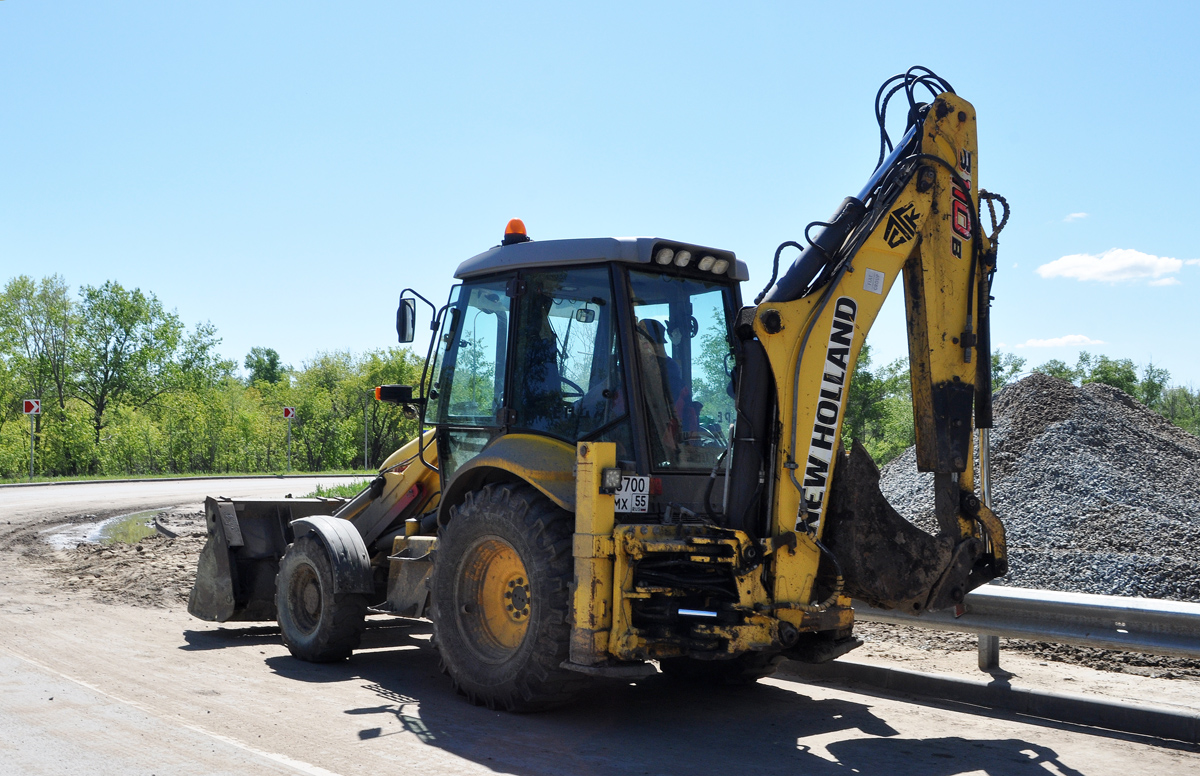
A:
(685, 360)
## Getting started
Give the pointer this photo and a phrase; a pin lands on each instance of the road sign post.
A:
(289, 413)
(33, 408)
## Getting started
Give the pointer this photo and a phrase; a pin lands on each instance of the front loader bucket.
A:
(235, 578)
(887, 561)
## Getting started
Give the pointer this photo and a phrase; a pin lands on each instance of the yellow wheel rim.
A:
(494, 601)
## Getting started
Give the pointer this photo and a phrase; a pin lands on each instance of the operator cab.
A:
(623, 340)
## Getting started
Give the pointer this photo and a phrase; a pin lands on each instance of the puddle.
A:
(120, 528)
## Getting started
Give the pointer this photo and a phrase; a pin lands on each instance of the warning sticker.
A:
(873, 281)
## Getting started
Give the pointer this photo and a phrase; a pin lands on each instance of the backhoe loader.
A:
(621, 469)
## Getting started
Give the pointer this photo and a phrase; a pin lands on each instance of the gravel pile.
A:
(1099, 494)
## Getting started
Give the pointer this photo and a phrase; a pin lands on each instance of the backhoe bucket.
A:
(887, 561)
(235, 579)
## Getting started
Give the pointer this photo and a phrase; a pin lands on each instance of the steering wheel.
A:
(705, 437)
(578, 392)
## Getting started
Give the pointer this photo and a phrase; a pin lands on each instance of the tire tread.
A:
(343, 617)
(540, 683)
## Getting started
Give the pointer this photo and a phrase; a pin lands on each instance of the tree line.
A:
(879, 413)
(127, 389)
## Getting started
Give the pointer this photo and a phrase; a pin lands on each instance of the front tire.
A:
(317, 625)
(501, 599)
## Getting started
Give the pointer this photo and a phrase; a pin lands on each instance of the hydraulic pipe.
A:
(820, 252)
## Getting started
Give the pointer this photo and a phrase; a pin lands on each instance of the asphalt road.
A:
(92, 688)
(23, 505)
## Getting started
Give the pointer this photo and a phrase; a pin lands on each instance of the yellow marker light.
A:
(378, 389)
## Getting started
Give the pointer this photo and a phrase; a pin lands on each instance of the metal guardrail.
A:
(1146, 625)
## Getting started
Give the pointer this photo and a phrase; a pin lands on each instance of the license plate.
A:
(634, 495)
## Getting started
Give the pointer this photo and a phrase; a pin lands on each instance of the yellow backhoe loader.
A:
(621, 469)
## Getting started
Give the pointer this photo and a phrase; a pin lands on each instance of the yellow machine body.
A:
(788, 577)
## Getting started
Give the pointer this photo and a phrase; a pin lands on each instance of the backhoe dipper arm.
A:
(917, 218)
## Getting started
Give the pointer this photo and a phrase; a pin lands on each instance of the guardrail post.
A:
(989, 652)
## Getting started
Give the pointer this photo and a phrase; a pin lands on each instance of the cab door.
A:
(467, 397)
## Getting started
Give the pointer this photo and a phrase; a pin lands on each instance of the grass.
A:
(342, 490)
(167, 475)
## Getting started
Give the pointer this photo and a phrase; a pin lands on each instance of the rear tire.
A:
(741, 670)
(501, 599)
(317, 625)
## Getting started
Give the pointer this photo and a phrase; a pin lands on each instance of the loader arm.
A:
(236, 573)
(917, 220)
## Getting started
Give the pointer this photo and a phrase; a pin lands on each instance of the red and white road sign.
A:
(33, 406)
(289, 412)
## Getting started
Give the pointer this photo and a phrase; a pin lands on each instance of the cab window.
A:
(685, 360)
(468, 383)
(567, 376)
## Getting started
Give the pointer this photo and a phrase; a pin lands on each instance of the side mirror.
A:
(406, 320)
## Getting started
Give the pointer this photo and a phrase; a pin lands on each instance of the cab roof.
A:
(588, 250)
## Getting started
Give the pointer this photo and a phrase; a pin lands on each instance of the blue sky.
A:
(284, 169)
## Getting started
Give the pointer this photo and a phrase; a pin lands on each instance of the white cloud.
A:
(1165, 282)
(1192, 261)
(1069, 340)
(1113, 266)
(1075, 217)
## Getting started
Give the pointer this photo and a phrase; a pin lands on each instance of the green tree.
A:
(474, 385)
(326, 406)
(264, 365)
(124, 349)
(1181, 406)
(388, 428)
(1152, 386)
(1059, 369)
(197, 364)
(864, 401)
(1120, 374)
(879, 410)
(711, 372)
(1005, 368)
(896, 429)
(37, 320)
(10, 392)
(36, 325)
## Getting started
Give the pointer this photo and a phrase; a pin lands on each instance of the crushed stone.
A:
(1099, 494)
